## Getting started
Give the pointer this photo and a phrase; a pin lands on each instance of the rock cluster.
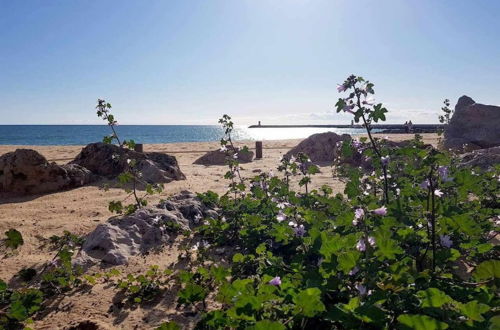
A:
(217, 157)
(110, 160)
(321, 147)
(483, 158)
(473, 126)
(25, 171)
(121, 237)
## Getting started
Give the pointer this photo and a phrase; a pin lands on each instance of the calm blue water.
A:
(84, 134)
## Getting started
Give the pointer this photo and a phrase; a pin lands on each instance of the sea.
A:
(148, 134)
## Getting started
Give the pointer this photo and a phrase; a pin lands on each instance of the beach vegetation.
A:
(131, 178)
(408, 245)
(411, 243)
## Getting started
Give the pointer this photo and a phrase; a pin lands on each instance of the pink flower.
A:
(348, 108)
(445, 241)
(341, 88)
(361, 245)
(354, 271)
(425, 184)
(358, 215)
(438, 193)
(281, 216)
(443, 173)
(361, 289)
(300, 231)
(384, 160)
(380, 211)
(275, 281)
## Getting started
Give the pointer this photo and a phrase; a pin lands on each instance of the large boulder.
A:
(25, 172)
(121, 237)
(473, 126)
(483, 158)
(320, 147)
(110, 160)
(217, 157)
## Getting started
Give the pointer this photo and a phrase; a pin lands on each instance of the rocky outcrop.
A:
(321, 147)
(473, 126)
(110, 160)
(218, 157)
(121, 237)
(483, 158)
(26, 172)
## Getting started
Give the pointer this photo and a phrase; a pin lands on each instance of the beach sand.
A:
(81, 210)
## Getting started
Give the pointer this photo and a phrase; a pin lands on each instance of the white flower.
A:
(235, 156)
(282, 205)
(438, 193)
(371, 241)
(223, 148)
(369, 100)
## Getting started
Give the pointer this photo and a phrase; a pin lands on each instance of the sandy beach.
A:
(80, 210)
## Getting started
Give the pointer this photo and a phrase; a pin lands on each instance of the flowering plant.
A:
(408, 245)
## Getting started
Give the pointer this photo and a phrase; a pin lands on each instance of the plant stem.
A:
(433, 222)
(368, 130)
(137, 200)
(114, 132)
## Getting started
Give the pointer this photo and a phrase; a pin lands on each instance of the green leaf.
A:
(386, 247)
(495, 323)
(421, 322)
(238, 257)
(14, 239)
(169, 326)
(267, 325)
(474, 310)
(347, 261)
(487, 270)
(433, 297)
(308, 302)
(25, 303)
(191, 294)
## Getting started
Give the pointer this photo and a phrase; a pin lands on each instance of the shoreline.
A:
(62, 154)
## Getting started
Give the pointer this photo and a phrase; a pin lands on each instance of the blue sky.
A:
(183, 62)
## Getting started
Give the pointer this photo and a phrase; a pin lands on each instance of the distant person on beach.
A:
(410, 127)
(406, 127)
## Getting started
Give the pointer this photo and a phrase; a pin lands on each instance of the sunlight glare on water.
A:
(242, 133)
